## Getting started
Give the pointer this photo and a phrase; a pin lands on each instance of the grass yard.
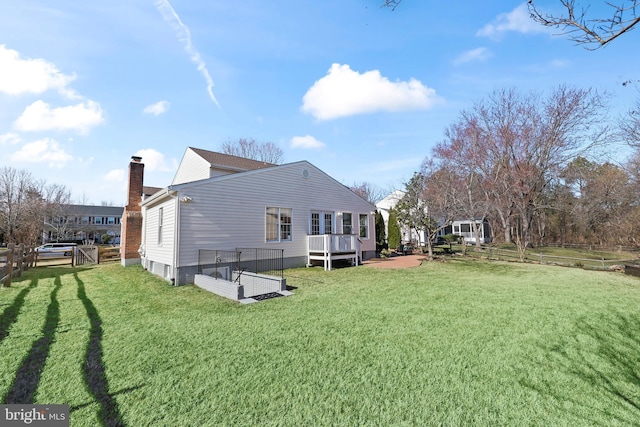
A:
(463, 342)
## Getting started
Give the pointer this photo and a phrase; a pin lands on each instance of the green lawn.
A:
(448, 343)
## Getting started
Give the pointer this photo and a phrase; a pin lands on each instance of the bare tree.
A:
(14, 188)
(58, 211)
(509, 147)
(586, 30)
(369, 192)
(580, 28)
(250, 149)
(464, 151)
(25, 203)
(630, 126)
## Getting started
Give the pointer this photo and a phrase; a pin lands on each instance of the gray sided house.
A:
(221, 202)
(83, 224)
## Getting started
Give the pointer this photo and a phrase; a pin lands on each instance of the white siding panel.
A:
(230, 212)
(160, 253)
(192, 168)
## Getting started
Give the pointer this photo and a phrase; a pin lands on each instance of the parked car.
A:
(55, 250)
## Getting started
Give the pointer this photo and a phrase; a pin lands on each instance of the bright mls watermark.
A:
(34, 415)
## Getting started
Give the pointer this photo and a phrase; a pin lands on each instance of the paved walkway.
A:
(396, 261)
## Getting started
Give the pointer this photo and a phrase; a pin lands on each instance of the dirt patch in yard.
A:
(402, 261)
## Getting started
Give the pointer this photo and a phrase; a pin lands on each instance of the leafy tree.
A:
(393, 229)
(250, 149)
(428, 203)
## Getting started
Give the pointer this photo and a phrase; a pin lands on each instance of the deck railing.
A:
(332, 243)
(330, 247)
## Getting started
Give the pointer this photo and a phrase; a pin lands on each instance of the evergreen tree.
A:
(394, 237)
(381, 235)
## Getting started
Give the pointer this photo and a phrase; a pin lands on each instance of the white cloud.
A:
(184, 35)
(559, 63)
(479, 54)
(40, 116)
(18, 76)
(44, 150)
(344, 92)
(518, 20)
(9, 138)
(306, 142)
(115, 175)
(158, 108)
(153, 160)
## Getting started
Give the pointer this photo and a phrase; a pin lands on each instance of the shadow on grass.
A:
(10, 314)
(604, 356)
(93, 366)
(28, 374)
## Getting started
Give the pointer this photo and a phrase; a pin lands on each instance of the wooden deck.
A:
(332, 247)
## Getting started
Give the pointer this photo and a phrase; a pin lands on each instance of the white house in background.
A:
(223, 202)
(407, 234)
(464, 229)
(460, 228)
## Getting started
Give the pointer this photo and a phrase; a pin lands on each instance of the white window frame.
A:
(350, 225)
(364, 226)
(275, 230)
(325, 223)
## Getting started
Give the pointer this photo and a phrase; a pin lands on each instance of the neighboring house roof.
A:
(148, 191)
(87, 210)
(227, 161)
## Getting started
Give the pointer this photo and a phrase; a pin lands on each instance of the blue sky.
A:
(360, 91)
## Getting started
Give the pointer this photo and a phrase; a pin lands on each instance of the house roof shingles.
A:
(148, 191)
(229, 161)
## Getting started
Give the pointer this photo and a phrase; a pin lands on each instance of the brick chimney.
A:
(131, 235)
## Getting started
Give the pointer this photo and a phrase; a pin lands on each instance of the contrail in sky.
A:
(184, 35)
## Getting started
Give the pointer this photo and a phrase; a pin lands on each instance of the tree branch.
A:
(585, 31)
(392, 4)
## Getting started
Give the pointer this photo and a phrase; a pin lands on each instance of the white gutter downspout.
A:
(143, 239)
(176, 234)
(176, 240)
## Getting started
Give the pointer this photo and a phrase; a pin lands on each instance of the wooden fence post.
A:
(20, 259)
(10, 247)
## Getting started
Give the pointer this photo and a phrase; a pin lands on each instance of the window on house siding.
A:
(315, 223)
(278, 224)
(364, 226)
(328, 223)
(160, 224)
(347, 223)
(321, 223)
